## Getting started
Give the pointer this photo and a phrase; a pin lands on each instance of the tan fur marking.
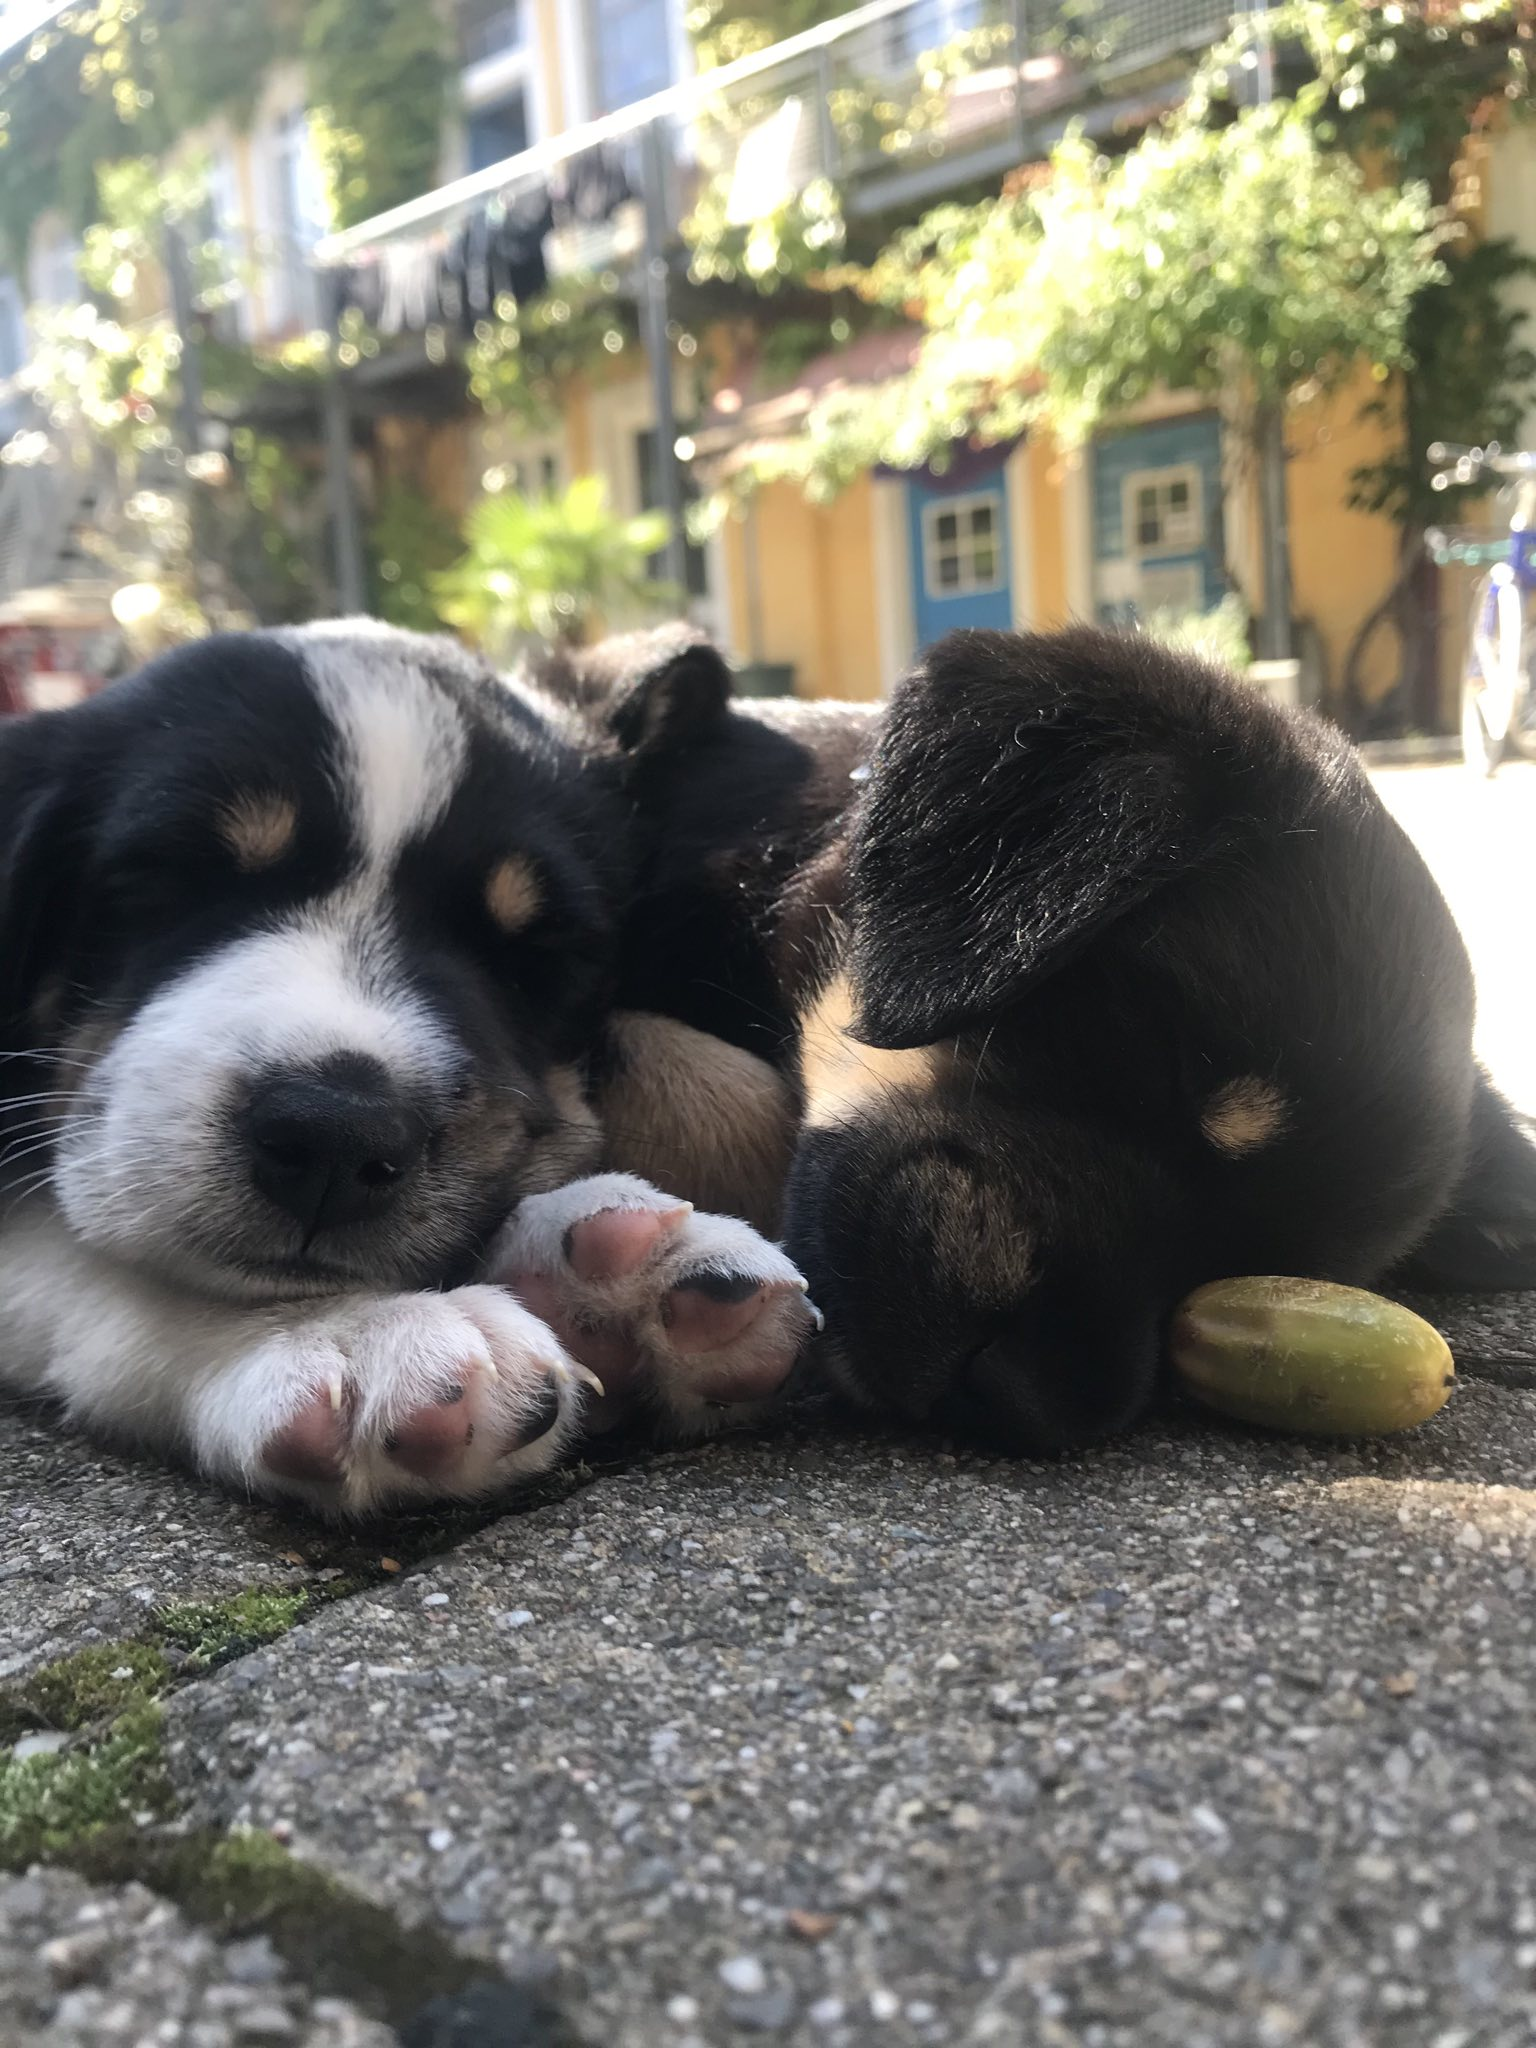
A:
(1243, 1115)
(841, 1073)
(258, 830)
(978, 1245)
(698, 1117)
(512, 893)
(574, 1146)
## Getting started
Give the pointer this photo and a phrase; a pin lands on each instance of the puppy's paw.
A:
(684, 1313)
(408, 1397)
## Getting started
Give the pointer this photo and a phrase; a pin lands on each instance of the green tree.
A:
(549, 568)
(228, 535)
(126, 78)
(1248, 262)
(723, 30)
(1404, 87)
(1470, 379)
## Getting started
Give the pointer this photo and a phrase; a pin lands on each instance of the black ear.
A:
(647, 693)
(1486, 1240)
(1028, 791)
(680, 696)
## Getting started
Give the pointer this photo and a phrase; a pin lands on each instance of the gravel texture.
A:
(1492, 1336)
(91, 1543)
(81, 1967)
(1206, 1739)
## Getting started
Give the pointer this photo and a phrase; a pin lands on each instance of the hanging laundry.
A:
(515, 261)
(589, 189)
(773, 163)
(360, 288)
(409, 301)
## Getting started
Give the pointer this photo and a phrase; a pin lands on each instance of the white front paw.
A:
(675, 1310)
(404, 1397)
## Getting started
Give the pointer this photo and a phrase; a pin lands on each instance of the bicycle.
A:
(1496, 673)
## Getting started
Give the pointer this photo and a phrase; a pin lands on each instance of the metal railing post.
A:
(336, 414)
(658, 349)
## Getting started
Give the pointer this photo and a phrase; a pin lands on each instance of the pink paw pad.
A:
(428, 1440)
(311, 1444)
(617, 1242)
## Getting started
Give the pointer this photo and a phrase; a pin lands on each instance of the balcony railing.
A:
(940, 92)
(895, 102)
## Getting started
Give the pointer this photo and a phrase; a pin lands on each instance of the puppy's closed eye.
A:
(259, 828)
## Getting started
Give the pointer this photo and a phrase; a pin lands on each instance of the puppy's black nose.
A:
(334, 1147)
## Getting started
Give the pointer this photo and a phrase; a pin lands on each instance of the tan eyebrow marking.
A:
(258, 830)
(1243, 1115)
(512, 893)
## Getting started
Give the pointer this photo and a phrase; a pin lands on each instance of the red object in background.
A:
(55, 648)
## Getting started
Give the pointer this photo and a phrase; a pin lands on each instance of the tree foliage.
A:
(378, 73)
(1247, 258)
(228, 536)
(123, 78)
(723, 30)
(112, 79)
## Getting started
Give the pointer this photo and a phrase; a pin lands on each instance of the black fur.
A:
(1116, 883)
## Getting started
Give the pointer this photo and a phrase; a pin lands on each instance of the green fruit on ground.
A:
(1308, 1356)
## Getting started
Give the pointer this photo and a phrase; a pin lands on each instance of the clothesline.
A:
(678, 103)
(506, 247)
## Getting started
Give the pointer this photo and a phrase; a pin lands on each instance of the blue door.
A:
(1157, 519)
(958, 540)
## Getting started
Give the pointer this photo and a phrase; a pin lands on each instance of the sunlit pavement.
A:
(1480, 840)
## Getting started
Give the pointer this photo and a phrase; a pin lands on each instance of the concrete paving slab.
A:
(1206, 1739)
(1492, 1336)
(84, 1965)
(91, 1543)
(94, 1543)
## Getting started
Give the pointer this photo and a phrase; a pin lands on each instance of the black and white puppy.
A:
(324, 953)
(308, 943)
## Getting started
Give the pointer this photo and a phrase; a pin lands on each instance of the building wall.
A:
(813, 567)
(1341, 561)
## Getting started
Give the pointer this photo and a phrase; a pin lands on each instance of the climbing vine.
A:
(378, 73)
(126, 78)
(518, 361)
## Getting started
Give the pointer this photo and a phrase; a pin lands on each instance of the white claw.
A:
(567, 1372)
(821, 1321)
(334, 1389)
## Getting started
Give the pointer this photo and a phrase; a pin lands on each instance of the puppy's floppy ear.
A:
(1486, 1240)
(647, 693)
(1027, 792)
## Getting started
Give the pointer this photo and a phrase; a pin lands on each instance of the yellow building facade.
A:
(1159, 515)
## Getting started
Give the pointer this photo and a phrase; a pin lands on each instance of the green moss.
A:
(213, 1631)
(52, 1806)
(245, 1882)
(89, 1686)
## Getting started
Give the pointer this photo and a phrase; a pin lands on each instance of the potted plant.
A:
(550, 567)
